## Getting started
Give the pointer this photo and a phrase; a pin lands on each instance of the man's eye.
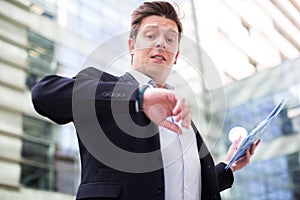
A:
(171, 40)
(150, 36)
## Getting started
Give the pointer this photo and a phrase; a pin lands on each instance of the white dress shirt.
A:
(182, 169)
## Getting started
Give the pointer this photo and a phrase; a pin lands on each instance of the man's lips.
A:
(158, 57)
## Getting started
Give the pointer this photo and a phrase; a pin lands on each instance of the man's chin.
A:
(159, 73)
(160, 66)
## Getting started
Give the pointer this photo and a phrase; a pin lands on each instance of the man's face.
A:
(155, 49)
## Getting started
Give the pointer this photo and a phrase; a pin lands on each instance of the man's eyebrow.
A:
(157, 27)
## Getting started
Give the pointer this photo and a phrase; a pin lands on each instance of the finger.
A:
(254, 146)
(186, 121)
(235, 145)
(171, 126)
(182, 112)
(248, 153)
(177, 109)
(257, 143)
(245, 159)
(186, 115)
(239, 141)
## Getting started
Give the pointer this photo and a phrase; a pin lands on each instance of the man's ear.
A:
(176, 56)
(131, 46)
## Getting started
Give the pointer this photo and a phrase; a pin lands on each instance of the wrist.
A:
(140, 96)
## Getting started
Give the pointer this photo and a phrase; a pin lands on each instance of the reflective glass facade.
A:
(41, 37)
(274, 178)
(273, 173)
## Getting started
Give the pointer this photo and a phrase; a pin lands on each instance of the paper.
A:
(256, 133)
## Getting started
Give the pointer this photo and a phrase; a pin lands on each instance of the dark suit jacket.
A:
(54, 96)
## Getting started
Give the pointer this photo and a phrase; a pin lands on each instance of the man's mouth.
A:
(158, 57)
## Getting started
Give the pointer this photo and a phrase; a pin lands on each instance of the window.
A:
(37, 155)
(46, 8)
(40, 58)
(263, 179)
(46, 165)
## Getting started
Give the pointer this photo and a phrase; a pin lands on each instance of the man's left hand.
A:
(243, 161)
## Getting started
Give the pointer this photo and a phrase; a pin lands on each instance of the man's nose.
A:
(161, 43)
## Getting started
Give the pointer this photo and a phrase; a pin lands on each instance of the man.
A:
(138, 119)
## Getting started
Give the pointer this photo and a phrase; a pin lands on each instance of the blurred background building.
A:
(253, 46)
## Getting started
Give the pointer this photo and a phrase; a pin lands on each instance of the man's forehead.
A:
(159, 22)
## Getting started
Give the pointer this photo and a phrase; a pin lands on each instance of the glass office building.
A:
(274, 171)
(254, 51)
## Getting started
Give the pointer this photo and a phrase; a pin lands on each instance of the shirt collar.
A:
(144, 79)
(139, 77)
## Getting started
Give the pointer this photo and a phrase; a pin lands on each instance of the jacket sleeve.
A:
(52, 98)
(225, 177)
(61, 98)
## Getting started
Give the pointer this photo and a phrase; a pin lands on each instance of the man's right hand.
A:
(159, 104)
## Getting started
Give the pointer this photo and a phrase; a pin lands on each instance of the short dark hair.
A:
(158, 8)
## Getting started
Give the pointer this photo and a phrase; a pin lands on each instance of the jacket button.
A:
(160, 189)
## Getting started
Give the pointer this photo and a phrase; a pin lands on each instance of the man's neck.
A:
(159, 85)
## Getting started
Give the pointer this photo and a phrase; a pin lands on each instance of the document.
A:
(256, 133)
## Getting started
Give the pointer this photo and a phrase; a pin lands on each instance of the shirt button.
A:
(159, 190)
(186, 187)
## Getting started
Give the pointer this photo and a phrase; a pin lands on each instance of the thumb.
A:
(237, 142)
